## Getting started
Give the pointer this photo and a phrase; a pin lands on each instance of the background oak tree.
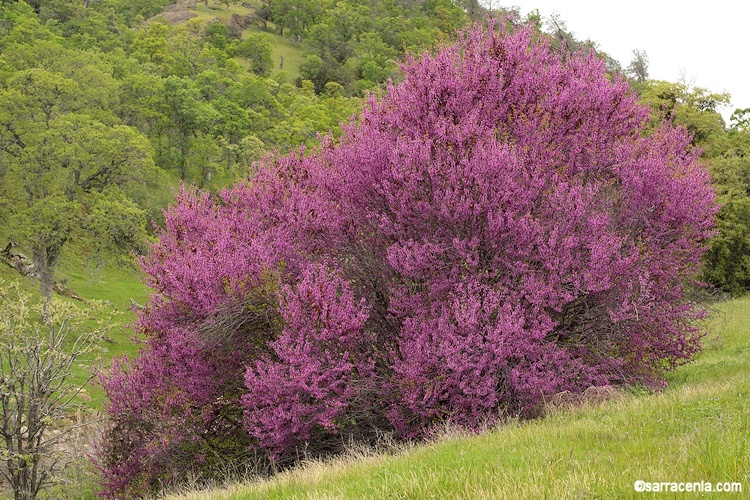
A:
(59, 160)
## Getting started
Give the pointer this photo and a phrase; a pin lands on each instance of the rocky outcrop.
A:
(25, 267)
(18, 261)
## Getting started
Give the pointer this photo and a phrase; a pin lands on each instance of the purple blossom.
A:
(500, 227)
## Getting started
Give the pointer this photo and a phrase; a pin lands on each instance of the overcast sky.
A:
(707, 42)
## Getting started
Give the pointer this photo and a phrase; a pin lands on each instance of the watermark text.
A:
(689, 487)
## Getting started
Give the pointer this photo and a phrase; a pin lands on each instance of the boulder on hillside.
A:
(25, 267)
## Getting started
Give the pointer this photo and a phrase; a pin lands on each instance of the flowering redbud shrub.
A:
(499, 227)
(321, 369)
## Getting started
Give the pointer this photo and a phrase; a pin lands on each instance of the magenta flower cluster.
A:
(500, 227)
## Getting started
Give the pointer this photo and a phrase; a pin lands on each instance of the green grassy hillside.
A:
(115, 282)
(294, 56)
(698, 429)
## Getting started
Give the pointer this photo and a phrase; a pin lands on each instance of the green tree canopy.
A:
(58, 160)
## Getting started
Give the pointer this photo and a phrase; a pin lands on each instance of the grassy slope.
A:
(116, 284)
(698, 429)
(111, 282)
(293, 55)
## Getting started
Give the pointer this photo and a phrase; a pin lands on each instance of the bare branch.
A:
(36, 394)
